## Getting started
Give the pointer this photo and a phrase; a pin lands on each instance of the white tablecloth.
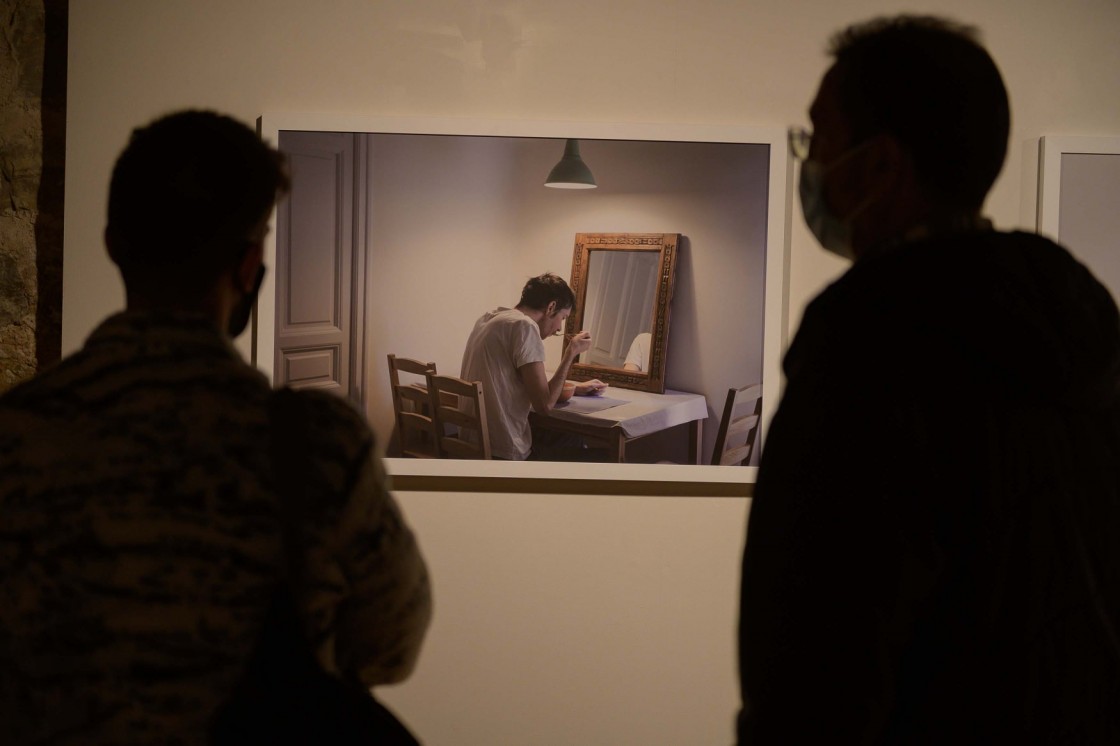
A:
(641, 412)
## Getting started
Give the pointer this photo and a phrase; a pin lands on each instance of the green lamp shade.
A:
(571, 172)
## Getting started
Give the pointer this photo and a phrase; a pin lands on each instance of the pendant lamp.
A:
(571, 172)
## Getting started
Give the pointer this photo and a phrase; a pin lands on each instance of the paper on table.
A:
(588, 404)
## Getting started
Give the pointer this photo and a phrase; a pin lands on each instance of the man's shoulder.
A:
(508, 317)
(508, 325)
(55, 392)
(327, 413)
(327, 434)
(948, 267)
(988, 307)
(978, 251)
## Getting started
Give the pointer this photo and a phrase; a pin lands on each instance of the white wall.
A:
(576, 620)
(707, 61)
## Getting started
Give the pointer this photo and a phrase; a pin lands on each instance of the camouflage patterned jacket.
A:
(140, 543)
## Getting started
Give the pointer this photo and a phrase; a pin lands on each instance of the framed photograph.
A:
(399, 233)
(1078, 180)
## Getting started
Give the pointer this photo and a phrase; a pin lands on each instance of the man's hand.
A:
(578, 344)
(594, 387)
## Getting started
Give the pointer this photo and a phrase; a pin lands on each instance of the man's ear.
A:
(246, 272)
(550, 310)
(890, 160)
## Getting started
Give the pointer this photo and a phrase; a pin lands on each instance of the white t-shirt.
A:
(639, 351)
(501, 342)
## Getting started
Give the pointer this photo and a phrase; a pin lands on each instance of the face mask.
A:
(833, 233)
(239, 317)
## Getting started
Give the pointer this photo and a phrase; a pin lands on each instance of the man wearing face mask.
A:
(933, 551)
(142, 537)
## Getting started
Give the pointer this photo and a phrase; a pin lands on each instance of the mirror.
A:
(623, 283)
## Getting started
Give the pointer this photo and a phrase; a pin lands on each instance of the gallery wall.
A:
(560, 619)
(712, 62)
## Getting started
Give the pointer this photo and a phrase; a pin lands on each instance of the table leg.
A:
(695, 441)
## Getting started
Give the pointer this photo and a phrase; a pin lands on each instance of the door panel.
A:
(315, 250)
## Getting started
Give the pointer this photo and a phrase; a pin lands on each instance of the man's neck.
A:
(536, 314)
(208, 308)
(937, 223)
(949, 223)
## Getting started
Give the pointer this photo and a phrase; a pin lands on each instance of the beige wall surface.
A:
(605, 657)
(710, 61)
(576, 620)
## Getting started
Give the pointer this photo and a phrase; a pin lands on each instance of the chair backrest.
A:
(738, 428)
(415, 428)
(459, 411)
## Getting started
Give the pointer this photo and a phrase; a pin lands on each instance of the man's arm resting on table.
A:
(543, 391)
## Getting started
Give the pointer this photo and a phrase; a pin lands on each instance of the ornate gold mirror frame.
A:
(587, 248)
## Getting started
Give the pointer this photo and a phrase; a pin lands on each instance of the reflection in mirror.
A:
(637, 359)
(623, 283)
(621, 288)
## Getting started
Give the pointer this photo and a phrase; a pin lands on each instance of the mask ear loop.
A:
(242, 312)
(839, 161)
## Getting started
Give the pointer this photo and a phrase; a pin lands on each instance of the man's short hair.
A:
(928, 82)
(540, 291)
(187, 194)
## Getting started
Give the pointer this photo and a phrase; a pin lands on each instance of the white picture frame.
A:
(558, 477)
(1078, 180)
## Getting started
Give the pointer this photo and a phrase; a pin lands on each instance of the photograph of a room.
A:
(395, 243)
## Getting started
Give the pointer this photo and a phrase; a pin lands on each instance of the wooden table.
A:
(634, 415)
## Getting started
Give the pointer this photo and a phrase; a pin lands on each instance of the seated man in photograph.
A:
(505, 351)
(145, 531)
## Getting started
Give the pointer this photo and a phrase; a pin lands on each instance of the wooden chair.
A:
(415, 428)
(738, 428)
(458, 406)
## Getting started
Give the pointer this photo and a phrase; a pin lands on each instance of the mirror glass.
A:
(619, 308)
(623, 283)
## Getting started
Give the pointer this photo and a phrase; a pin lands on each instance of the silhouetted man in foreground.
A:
(142, 537)
(933, 552)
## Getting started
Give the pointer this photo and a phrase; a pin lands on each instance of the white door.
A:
(318, 330)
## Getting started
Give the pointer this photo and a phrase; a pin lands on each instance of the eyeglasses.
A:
(799, 141)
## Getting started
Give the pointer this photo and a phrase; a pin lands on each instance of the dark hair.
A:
(928, 82)
(186, 195)
(540, 291)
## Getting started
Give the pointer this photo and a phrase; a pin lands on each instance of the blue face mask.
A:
(833, 233)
